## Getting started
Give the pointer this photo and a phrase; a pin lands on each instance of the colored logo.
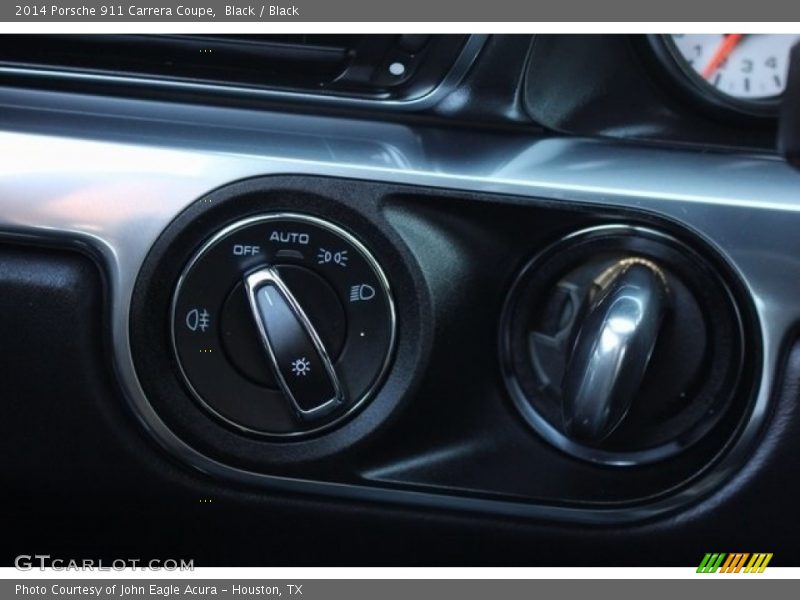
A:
(737, 562)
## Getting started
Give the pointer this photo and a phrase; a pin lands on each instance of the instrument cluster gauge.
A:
(737, 71)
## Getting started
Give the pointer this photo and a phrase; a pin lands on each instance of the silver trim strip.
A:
(469, 53)
(117, 197)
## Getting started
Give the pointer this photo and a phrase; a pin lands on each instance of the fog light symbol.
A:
(197, 319)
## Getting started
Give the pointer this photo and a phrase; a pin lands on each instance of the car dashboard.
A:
(396, 300)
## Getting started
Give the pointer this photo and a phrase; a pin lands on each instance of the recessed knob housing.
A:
(282, 324)
(621, 345)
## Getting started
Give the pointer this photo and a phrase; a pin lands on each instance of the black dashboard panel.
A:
(529, 204)
(88, 468)
(427, 426)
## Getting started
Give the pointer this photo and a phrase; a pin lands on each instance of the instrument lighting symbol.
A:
(301, 367)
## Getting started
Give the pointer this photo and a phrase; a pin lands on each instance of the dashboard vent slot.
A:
(373, 66)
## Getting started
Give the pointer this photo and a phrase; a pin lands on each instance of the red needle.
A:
(725, 48)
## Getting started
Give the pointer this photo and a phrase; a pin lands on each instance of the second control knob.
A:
(613, 348)
(621, 345)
